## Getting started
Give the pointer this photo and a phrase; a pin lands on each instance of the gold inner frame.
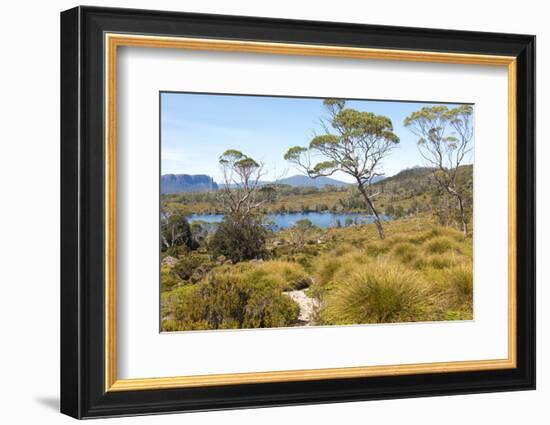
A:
(113, 41)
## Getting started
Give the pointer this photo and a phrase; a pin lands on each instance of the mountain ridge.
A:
(180, 183)
(185, 183)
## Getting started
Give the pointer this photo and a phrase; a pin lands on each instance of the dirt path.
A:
(307, 306)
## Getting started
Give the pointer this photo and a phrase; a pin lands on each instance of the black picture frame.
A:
(83, 392)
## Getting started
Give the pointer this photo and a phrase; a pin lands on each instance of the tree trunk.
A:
(462, 215)
(373, 210)
(452, 190)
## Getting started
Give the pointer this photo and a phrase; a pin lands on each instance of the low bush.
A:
(167, 279)
(192, 267)
(230, 298)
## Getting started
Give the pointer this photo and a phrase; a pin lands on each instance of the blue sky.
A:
(197, 128)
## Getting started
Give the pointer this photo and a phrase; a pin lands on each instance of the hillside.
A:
(414, 190)
(409, 192)
(420, 179)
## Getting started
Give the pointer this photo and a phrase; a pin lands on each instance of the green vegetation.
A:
(376, 292)
(410, 192)
(233, 297)
(238, 240)
(354, 143)
(422, 272)
(244, 273)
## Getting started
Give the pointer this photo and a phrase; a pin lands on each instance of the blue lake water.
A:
(284, 221)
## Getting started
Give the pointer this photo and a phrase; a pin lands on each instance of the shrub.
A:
(192, 267)
(167, 279)
(177, 251)
(182, 309)
(378, 292)
(239, 239)
(233, 297)
(300, 232)
(175, 231)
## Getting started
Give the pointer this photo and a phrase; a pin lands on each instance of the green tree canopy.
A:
(445, 141)
(354, 142)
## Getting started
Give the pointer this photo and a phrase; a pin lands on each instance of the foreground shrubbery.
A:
(420, 272)
(377, 292)
(241, 296)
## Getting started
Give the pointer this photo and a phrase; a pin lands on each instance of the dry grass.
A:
(377, 292)
(420, 272)
(436, 259)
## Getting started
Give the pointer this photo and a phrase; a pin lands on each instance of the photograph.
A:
(288, 211)
(285, 210)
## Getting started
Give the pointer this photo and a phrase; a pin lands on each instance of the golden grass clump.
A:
(438, 261)
(460, 284)
(405, 252)
(326, 267)
(377, 292)
(376, 249)
(342, 249)
(440, 245)
(291, 275)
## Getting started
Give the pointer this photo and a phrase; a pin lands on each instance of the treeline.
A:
(408, 193)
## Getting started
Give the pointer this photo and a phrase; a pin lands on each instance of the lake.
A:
(319, 219)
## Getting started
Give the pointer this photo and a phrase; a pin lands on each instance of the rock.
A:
(256, 260)
(307, 306)
(169, 261)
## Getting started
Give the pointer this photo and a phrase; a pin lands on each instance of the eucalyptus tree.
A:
(300, 232)
(241, 235)
(175, 230)
(445, 142)
(241, 183)
(355, 143)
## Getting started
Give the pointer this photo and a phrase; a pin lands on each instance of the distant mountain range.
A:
(305, 181)
(180, 183)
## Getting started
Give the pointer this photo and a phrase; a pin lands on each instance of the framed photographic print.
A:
(261, 212)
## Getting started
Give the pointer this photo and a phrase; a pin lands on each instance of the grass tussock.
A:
(378, 292)
(460, 284)
(439, 245)
(405, 252)
(434, 261)
(420, 272)
(289, 275)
